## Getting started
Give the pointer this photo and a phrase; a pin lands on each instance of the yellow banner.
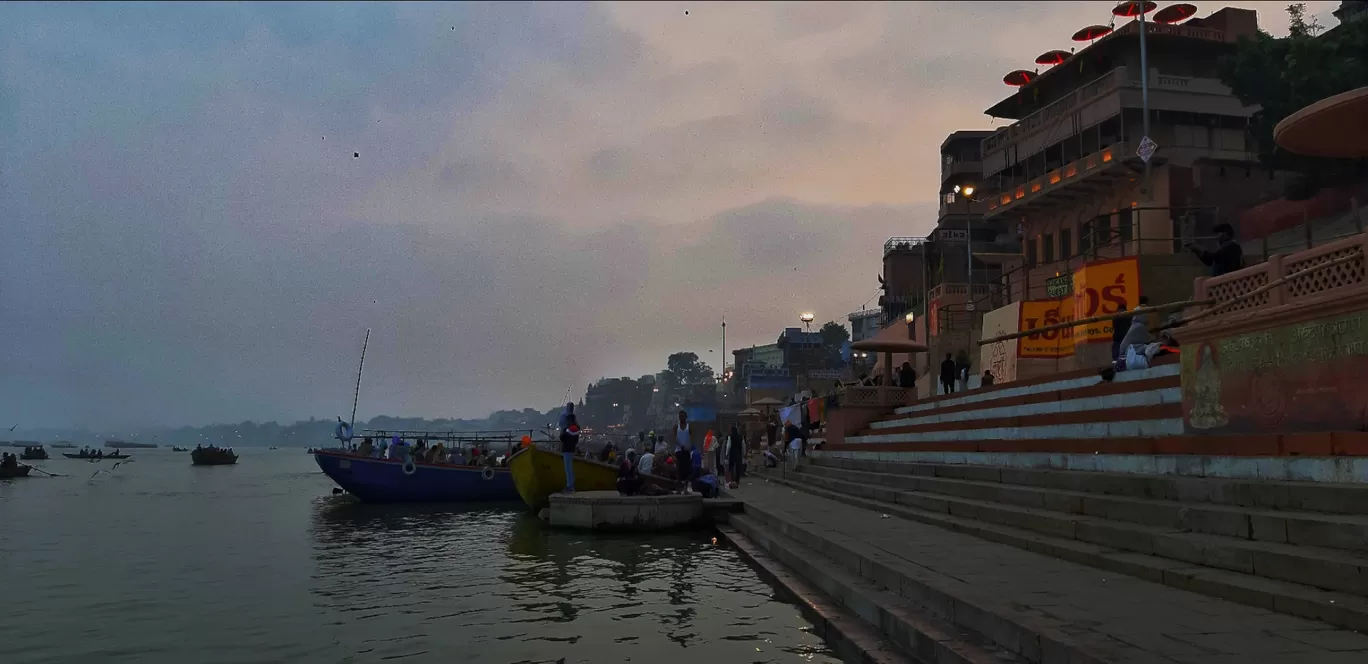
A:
(1051, 343)
(1104, 288)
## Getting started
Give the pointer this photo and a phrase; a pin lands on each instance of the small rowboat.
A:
(88, 457)
(14, 471)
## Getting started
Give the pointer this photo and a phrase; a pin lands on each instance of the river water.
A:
(158, 561)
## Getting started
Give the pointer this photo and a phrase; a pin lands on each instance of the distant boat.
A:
(212, 456)
(97, 457)
(119, 444)
(180, 449)
(64, 445)
(375, 480)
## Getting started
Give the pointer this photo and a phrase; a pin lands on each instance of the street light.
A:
(807, 317)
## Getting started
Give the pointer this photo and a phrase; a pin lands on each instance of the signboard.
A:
(952, 235)
(1061, 286)
(1052, 343)
(1146, 149)
(1000, 357)
(1104, 288)
(824, 374)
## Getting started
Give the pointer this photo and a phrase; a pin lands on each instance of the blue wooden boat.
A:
(374, 480)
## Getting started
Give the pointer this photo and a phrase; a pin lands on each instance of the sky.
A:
(203, 207)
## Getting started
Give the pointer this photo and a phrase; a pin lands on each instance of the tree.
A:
(1282, 76)
(687, 370)
(834, 337)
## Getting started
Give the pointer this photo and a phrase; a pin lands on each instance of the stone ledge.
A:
(607, 510)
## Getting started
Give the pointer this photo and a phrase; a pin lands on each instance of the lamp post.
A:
(967, 192)
(1137, 9)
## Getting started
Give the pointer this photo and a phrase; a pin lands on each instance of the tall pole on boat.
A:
(357, 394)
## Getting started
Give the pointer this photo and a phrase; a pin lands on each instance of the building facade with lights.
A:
(1070, 175)
(1067, 172)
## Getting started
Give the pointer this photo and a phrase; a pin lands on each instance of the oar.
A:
(45, 472)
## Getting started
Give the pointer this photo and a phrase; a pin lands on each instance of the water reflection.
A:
(494, 584)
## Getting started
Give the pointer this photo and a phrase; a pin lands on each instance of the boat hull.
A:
(538, 473)
(96, 458)
(29, 456)
(383, 480)
(17, 471)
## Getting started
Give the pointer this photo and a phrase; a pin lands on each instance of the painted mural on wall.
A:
(1001, 357)
(1291, 378)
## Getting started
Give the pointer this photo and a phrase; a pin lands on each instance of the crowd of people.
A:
(420, 451)
(674, 457)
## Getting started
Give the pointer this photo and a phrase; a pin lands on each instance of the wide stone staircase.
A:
(1071, 520)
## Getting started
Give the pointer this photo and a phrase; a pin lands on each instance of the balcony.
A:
(972, 169)
(1045, 118)
(903, 244)
(1094, 172)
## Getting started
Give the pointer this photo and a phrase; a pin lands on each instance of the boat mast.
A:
(357, 394)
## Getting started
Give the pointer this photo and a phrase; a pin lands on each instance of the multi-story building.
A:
(865, 324)
(932, 277)
(1067, 173)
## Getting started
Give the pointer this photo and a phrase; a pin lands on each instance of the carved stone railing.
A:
(860, 396)
(1328, 269)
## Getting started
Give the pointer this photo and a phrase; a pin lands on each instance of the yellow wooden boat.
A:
(538, 473)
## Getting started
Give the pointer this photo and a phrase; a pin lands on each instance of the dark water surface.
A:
(159, 561)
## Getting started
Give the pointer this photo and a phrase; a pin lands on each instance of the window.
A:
(1125, 228)
(1085, 231)
(1047, 248)
(1031, 251)
(1065, 243)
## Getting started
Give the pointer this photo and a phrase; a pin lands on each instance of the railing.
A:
(1056, 178)
(902, 244)
(1104, 242)
(1056, 109)
(1313, 274)
(881, 396)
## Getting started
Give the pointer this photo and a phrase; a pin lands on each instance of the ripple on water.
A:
(160, 562)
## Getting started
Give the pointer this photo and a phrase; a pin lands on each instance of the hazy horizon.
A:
(206, 205)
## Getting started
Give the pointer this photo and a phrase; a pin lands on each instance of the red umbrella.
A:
(1175, 13)
(1092, 32)
(1133, 8)
(1053, 57)
(1018, 78)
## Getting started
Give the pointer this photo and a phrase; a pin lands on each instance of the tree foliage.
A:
(834, 337)
(687, 370)
(1282, 76)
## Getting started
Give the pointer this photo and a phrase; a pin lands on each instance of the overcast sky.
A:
(544, 194)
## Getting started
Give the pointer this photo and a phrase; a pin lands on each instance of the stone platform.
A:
(607, 510)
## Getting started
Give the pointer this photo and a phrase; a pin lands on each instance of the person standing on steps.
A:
(683, 449)
(569, 438)
(947, 375)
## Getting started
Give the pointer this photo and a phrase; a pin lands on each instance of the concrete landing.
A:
(1040, 608)
(607, 510)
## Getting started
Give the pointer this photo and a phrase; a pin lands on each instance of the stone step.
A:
(1328, 569)
(1070, 381)
(1334, 607)
(1266, 494)
(1335, 531)
(853, 639)
(1046, 609)
(884, 615)
(1151, 392)
(1140, 421)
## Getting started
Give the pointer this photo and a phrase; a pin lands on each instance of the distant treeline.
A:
(313, 432)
